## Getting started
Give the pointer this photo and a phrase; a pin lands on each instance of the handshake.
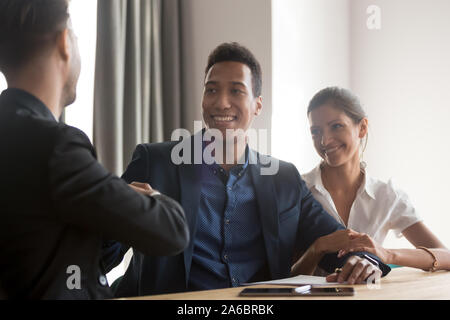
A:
(144, 189)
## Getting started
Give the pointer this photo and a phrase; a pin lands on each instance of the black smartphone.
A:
(301, 291)
(335, 291)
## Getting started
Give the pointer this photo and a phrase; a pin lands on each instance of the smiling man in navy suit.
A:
(246, 224)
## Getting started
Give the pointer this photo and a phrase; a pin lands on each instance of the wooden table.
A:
(401, 284)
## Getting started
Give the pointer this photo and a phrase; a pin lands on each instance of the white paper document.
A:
(297, 280)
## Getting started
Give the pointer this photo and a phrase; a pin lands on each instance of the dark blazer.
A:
(57, 204)
(291, 219)
(2, 293)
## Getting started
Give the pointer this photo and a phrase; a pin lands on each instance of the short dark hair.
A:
(233, 51)
(28, 25)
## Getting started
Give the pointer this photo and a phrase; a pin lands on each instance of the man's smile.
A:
(223, 118)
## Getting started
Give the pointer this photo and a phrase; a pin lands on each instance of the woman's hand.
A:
(335, 241)
(367, 244)
(330, 243)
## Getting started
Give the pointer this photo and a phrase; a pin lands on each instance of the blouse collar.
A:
(368, 182)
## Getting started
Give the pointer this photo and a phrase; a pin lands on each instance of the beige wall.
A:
(311, 50)
(402, 73)
(208, 23)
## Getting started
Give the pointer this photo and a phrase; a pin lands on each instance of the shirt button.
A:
(227, 221)
(215, 171)
(225, 257)
(102, 280)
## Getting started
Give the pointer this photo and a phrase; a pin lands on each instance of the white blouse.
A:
(378, 206)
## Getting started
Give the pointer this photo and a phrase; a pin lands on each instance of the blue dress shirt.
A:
(228, 246)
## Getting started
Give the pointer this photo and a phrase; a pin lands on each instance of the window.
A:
(81, 113)
(2, 82)
(84, 20)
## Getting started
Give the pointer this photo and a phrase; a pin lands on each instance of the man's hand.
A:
(143, 188)
(355, 271)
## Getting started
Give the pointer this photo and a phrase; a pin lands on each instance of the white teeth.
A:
(217, 118)
(331, 150)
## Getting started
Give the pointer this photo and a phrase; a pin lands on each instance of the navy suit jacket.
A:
(291, 219)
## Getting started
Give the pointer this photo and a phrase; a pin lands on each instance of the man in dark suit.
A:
(57, 203)
(250, 216)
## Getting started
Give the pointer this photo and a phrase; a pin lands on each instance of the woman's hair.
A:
(342, 99)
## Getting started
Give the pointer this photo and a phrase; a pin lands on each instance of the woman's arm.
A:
(418, 258)
(419, 235)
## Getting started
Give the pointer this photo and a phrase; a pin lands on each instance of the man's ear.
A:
(259, 106)
(63, 44)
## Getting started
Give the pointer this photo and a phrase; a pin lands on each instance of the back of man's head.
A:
(27, 28)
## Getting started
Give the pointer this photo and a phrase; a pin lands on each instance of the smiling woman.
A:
(363, 204)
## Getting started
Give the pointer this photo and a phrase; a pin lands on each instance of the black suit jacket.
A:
(57, 203)
(291, 219)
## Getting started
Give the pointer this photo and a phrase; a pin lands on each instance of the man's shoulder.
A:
(23, 123)
(157, 149)
(154, 156)
(67, 135)
(281, 172)
(268, 160)
(311, 178)
(165, 146)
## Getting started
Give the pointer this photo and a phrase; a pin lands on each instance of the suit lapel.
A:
(268, 212)
(190, 183)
